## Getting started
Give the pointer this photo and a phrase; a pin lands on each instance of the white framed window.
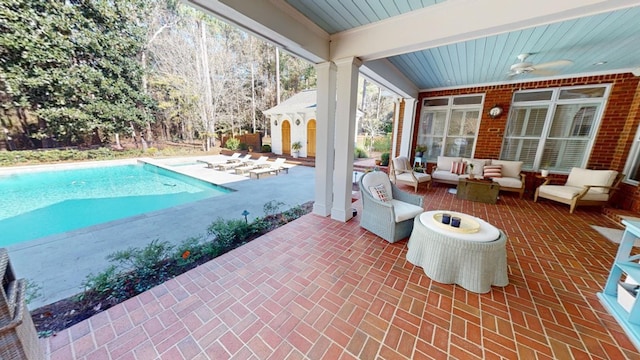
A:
(632, 168)
(449, 125)
(554, 128)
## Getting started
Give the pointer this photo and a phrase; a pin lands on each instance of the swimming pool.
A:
(38, 204)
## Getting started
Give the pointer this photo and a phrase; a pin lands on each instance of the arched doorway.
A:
(286, 137)
(311, 138)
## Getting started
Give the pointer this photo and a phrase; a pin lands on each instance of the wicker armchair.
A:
(392, 220)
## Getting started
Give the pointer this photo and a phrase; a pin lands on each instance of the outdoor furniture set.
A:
(469, 251)
(474, 258)
(449, 170)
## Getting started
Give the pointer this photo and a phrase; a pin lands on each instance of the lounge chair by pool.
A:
(212, 164)
(261, 162)
(234, 164)
(276, 167)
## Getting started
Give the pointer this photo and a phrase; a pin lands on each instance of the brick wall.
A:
(399, 107)
(615, 136)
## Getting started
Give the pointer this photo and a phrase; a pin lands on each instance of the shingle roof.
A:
(300, 102)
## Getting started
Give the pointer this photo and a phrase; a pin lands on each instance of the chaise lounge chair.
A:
(250, 165)
(274, 167)
(212, 164)
(234, 164)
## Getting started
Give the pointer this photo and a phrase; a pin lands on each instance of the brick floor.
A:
(318, 288)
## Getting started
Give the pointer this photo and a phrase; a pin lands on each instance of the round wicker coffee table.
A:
(473, 258)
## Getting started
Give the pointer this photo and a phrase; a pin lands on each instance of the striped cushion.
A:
(378, 192)
(493, 171)
(458, 167)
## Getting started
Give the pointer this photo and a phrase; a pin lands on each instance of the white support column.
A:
(325, 137)
(407, 126)
(347, 91)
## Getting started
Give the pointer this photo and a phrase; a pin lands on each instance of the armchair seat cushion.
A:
(569, 192)
(405, 211)
(406, 177)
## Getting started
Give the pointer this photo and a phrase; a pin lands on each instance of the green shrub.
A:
(266, 148)
(229, 233)
(232, 144)
(384, 159)
(382, 144)
(272, 207)
(33, 291)
(359, 153)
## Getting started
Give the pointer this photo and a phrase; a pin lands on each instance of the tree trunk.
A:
(118, 145)
(253, 88)
(207, 122)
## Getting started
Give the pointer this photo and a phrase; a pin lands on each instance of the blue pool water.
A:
(37, 204)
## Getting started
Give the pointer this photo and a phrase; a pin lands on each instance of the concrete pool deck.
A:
(59, 264)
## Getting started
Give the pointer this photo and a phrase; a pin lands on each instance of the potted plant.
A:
(544, 170)
(471, 174)
(420, 149)
(296, 146)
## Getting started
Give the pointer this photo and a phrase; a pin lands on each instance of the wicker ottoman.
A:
(473, 261)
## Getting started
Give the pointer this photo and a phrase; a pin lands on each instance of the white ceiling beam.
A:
(459, 20)
(274, 21)
(385, 74)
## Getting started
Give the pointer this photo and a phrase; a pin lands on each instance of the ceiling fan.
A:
(523, 67)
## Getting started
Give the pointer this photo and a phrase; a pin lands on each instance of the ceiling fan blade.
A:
(553, 64)
(542, 72)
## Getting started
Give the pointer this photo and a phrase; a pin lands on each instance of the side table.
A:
(474, 261)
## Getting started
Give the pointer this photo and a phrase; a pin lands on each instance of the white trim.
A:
(473, 19)
(528, 80)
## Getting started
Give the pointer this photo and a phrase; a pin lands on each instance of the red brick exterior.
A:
(613, 142)
(399, 111)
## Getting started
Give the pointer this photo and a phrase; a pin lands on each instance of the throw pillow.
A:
(458, 167)
(493, 171)
(379, 192)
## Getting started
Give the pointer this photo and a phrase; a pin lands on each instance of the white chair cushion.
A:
(568, 192)
(580, 177)
(400, 163)
(509, 168)
(509, 182)
(444, 175)
(444, 162)
(375, 178)
(406, 177)
(405, 211)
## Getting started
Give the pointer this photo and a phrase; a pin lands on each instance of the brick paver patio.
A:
(320, 289)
